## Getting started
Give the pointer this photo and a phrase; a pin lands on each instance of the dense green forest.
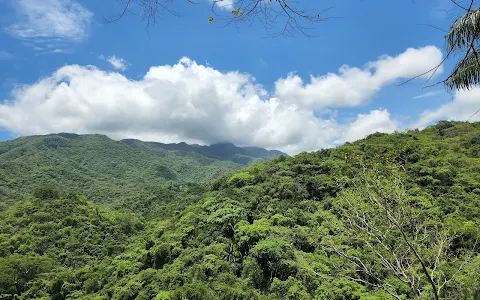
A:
(124, 173)
(392, 216)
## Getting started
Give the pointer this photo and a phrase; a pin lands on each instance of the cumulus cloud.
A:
(183, 102)
(186, 102)
(225, 4)
(49, 23)
(365, 124)
(353, 86)
(463, 107)
(117, 63)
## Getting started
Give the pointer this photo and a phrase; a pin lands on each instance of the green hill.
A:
(392, 216)
(220, 151)
(50, 234)
(106, 170)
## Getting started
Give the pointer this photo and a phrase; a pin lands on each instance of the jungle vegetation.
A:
(391, 216)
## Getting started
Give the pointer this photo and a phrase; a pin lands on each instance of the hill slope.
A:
(388, 217)
(221, 151)
(52, 234)
(107, 170)
(309, 227)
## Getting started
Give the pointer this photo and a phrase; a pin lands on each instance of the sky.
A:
(63, 68)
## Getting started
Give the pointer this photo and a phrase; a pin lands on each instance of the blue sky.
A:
(62, 68)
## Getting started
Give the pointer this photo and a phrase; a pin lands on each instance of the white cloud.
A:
(116, 62)
(427, 94)
(196, 104)
(53, 51)
(462, 108)
(365, 124)
(4, 55)
(184, 102)
(50, 22)
(354, 86)
(225, 4)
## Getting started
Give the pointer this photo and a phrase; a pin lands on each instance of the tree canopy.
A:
(392, 216)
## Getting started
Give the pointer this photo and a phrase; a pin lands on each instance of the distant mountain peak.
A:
(223, 150)
(223, 143)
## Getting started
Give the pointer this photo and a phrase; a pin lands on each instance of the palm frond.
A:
(464, 30)
(466, 73)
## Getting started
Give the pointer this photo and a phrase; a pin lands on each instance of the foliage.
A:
(381, 218)
(53, 235)
(461, 38)
(110, 171)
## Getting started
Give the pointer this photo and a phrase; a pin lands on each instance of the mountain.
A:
(391, 216)
(266, 154)
(107, 170)
(220, 151)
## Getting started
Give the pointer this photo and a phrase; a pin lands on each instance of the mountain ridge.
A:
(221, 150)
(108, 170)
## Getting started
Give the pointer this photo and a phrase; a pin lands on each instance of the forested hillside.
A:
(112, 171)
(392, 216)
(221, 151)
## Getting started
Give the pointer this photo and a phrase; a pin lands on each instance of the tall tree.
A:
(406, 243)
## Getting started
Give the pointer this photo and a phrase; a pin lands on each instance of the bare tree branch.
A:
(288, 15)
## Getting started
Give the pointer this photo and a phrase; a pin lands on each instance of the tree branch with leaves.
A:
(394, 239)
